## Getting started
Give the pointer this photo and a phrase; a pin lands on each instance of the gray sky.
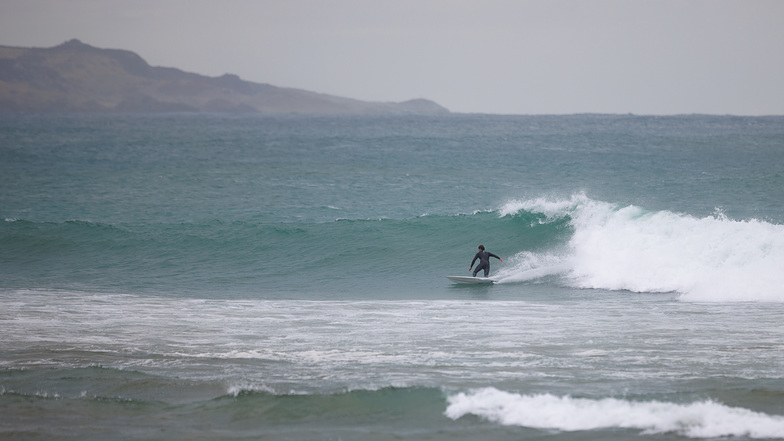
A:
(488, 56)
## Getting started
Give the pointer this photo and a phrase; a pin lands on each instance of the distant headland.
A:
(76, 77)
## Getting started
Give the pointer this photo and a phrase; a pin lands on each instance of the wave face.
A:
(366, 257)
(616, 247)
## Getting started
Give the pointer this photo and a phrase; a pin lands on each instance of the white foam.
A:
(237, 389)
(704, 419)
(705, 259)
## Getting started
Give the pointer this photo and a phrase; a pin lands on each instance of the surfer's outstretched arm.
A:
(476, 256)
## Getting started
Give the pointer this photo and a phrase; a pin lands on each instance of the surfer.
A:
(484, 261)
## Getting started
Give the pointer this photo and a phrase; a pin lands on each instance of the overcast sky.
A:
(486, 56)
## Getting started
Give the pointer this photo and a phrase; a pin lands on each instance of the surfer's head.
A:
(482, 247)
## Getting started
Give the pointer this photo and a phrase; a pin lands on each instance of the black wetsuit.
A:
(484, 262)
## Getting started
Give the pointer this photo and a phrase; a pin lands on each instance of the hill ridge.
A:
(78, 77)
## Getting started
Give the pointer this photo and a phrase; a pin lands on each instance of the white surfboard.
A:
(467, 280)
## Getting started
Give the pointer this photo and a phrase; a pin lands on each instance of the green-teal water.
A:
(250, 277)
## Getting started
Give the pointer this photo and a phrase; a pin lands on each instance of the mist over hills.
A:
(76, 77)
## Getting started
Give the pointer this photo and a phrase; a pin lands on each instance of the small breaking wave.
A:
(703, 419)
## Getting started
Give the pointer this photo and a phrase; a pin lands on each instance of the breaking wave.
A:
(615, 247)
(704, 419)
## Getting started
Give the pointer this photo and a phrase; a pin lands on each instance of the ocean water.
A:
(218, 277)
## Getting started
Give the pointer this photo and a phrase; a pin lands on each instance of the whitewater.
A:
(227, 277)
(706, 419)
(613, 247)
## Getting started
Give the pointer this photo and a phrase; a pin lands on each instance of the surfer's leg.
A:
(482, 266)
(487, 270)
